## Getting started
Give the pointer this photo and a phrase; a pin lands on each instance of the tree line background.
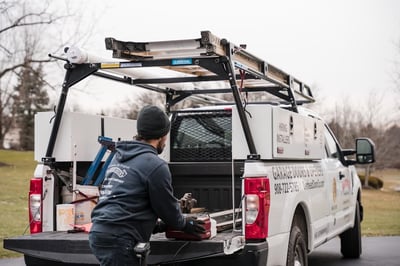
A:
(25, 86)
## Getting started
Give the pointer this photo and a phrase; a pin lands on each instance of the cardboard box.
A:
(86, 200)
(65, 217)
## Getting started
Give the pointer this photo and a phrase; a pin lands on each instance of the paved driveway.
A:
(375, 251)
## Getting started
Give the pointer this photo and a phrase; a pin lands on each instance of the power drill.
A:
(142, 250)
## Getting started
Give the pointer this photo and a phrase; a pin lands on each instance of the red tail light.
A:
(257, 207)
(35, 205)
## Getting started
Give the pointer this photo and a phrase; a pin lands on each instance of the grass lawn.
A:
(381, 207)
(16, 169)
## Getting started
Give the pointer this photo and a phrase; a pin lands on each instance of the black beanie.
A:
(152, 123)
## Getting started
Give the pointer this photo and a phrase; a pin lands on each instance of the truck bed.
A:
(210, 183)
(74, 247)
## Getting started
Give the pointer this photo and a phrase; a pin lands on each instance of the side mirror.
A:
(365, 151)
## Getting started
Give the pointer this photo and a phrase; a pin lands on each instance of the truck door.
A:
(339, 176)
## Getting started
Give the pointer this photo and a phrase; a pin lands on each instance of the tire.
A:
(350, 240)
(297, 248)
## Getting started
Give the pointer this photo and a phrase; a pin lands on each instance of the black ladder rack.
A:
(202, 62)
(196, 60)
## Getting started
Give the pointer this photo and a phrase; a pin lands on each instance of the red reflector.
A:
(257, 207)
(36, 186)
(35, 205)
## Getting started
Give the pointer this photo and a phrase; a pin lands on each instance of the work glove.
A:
(160, 227)
(194, 227)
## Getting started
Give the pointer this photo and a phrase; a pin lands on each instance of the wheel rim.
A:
(298, 254)
(297, 263)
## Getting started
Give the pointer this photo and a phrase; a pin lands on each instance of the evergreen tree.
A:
(30, 97)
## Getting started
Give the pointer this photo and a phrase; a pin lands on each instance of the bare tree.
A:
(29, 31)
(21, 22)
(131, 107)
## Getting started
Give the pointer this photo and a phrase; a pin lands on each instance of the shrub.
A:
(373, 181)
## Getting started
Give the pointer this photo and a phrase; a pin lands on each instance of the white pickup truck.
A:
(271, 173)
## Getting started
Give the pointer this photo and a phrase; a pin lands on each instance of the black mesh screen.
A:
(202, 136)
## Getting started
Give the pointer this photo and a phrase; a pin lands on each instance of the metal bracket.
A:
(74, 74)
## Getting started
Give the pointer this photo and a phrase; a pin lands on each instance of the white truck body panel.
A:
(307, 184)
(296, 136)
(260, 115)
(284, 141)
(78, 134)
(291, 135)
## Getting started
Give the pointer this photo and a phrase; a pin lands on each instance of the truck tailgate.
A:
(74, 247)
(169, 250)
(56, 246)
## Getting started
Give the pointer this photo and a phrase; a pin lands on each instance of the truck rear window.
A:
(202, 136)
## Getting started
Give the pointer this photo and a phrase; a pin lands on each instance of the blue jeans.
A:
(112, 250)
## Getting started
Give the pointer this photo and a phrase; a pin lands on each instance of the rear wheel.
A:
(297, 249)
(350, 240)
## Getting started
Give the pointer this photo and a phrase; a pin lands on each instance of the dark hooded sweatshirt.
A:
(136, 191)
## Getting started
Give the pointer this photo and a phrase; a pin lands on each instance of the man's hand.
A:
(194, 227)
(160, 227)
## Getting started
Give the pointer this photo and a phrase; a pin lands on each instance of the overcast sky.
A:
(345, 48)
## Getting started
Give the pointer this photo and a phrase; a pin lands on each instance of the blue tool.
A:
(106, 144)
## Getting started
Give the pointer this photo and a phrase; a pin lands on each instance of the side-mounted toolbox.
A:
(279, 134)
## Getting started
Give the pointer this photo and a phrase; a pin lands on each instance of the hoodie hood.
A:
(127, 150)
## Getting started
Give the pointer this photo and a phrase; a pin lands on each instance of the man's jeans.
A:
(112, 250)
